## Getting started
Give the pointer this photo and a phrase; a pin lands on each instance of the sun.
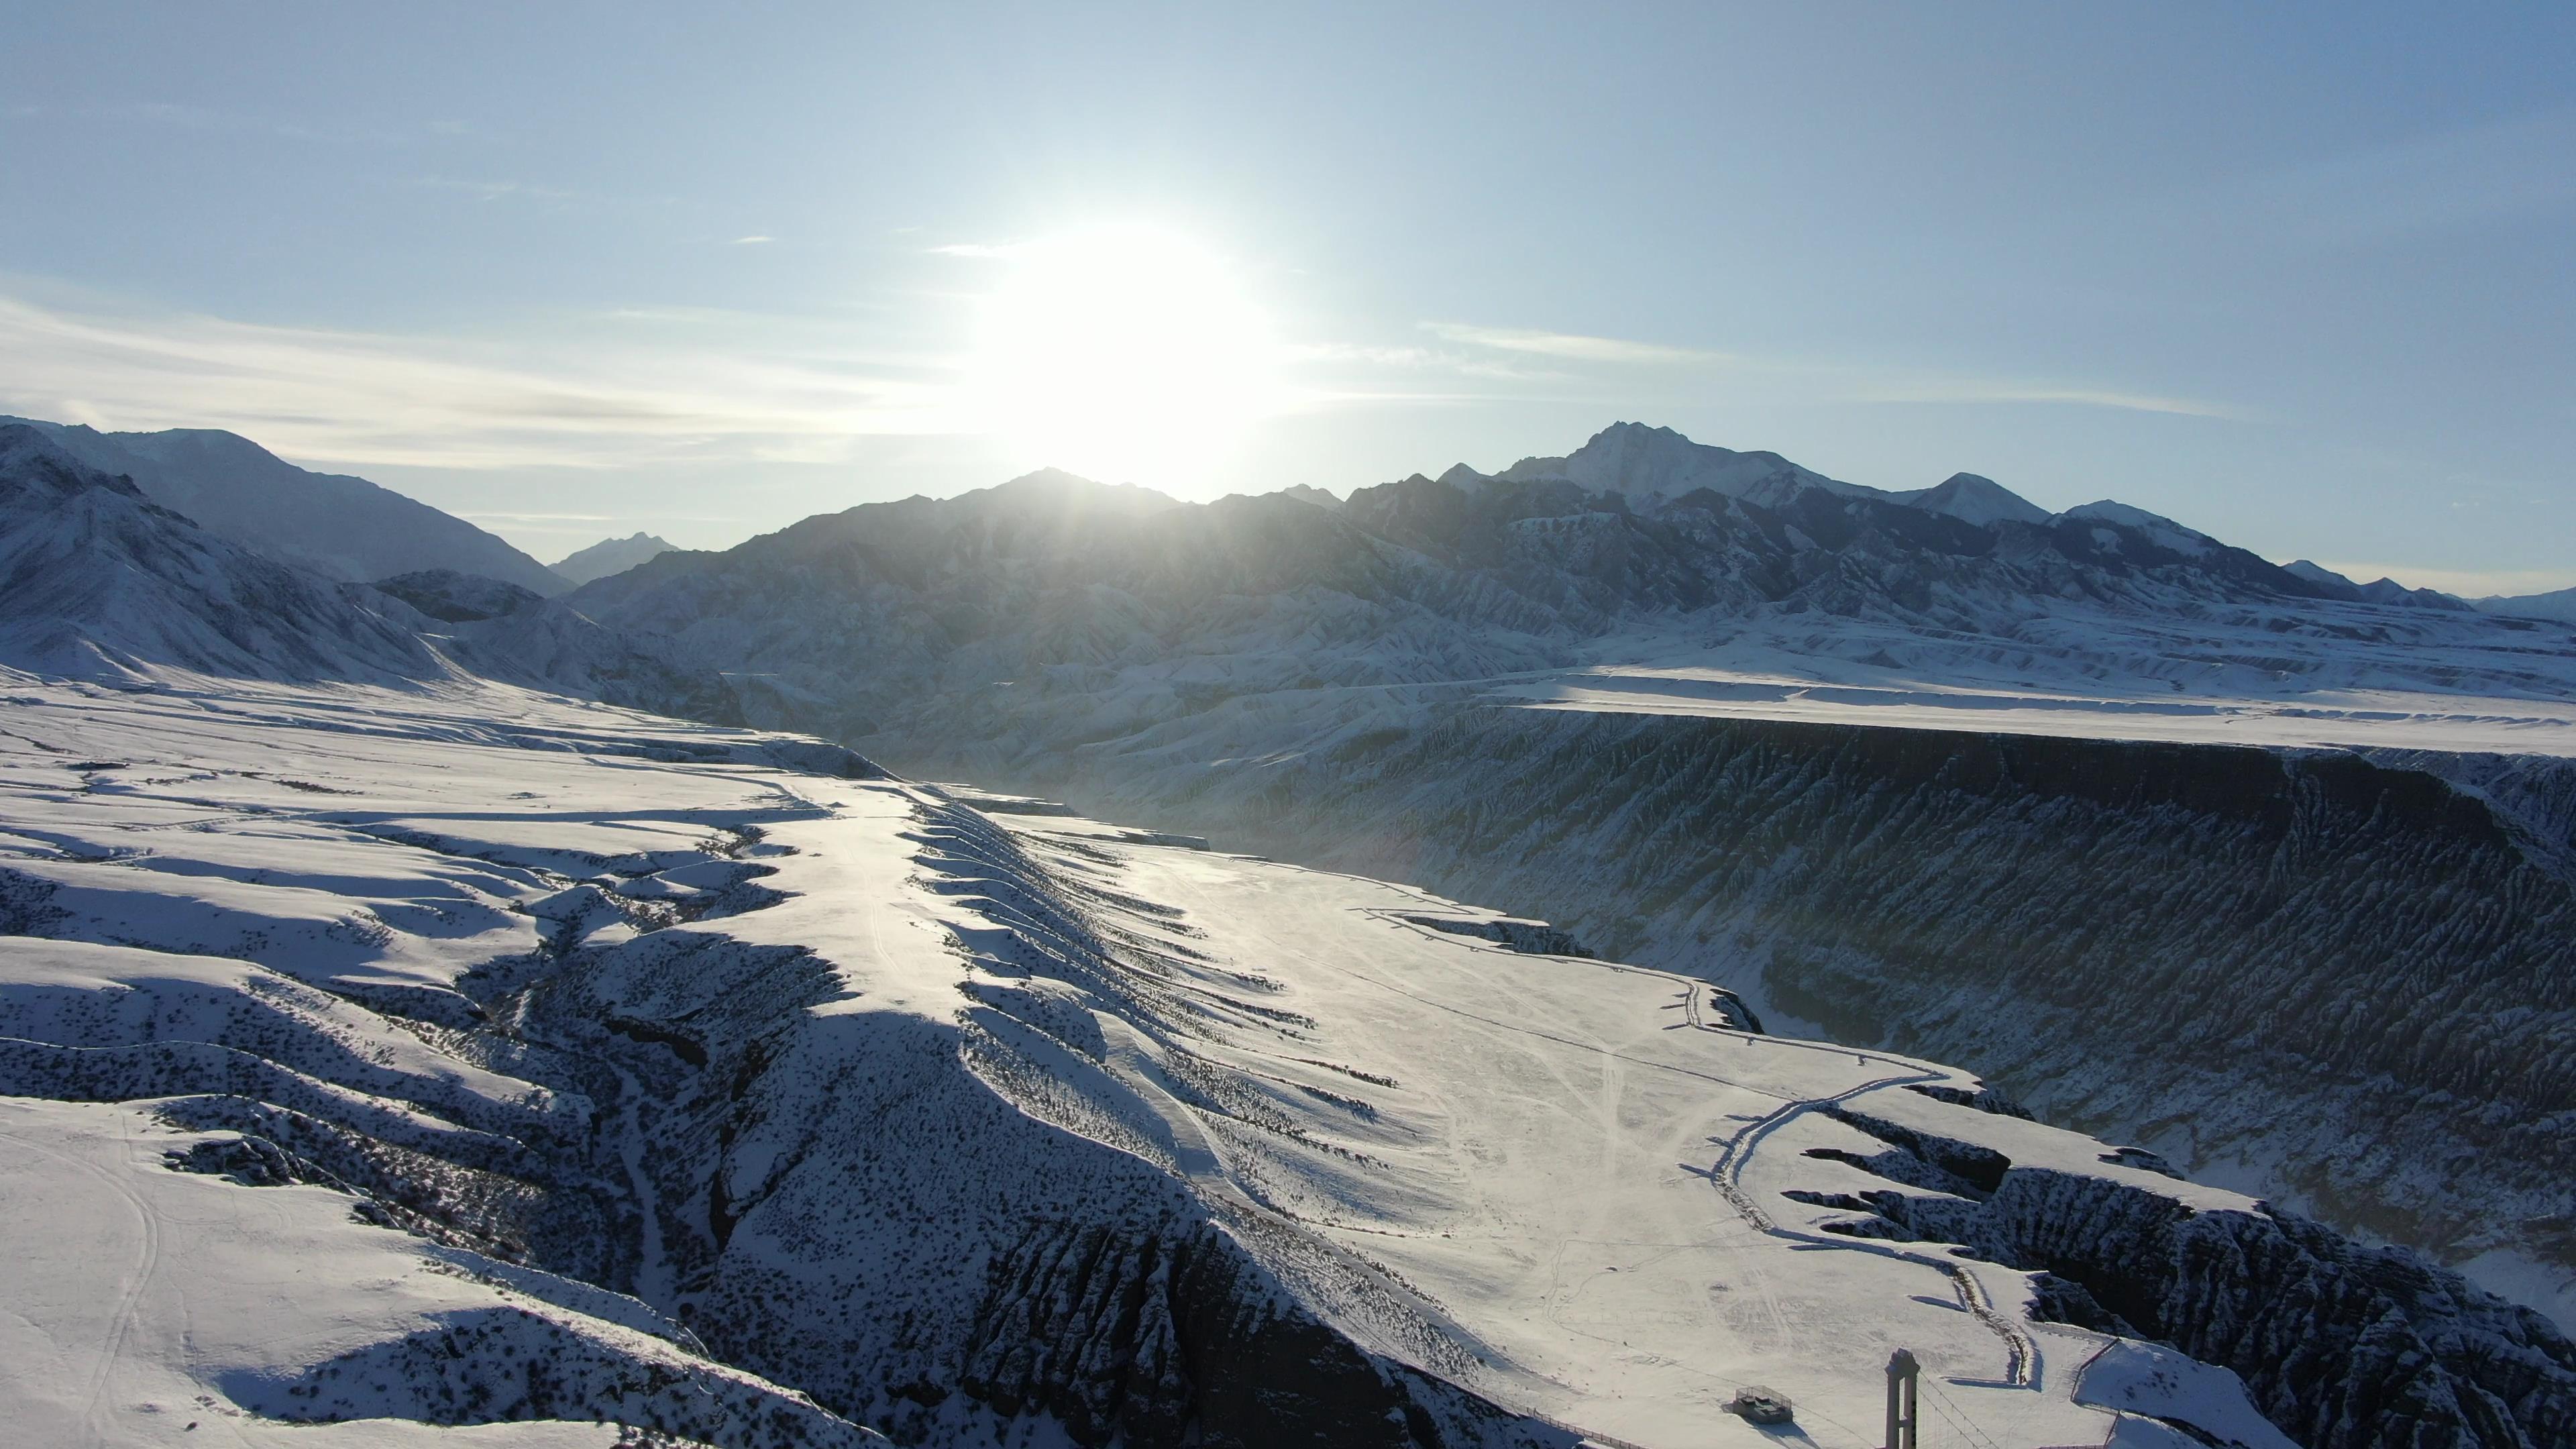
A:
(1125, 354)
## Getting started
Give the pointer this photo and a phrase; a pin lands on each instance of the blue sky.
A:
(2297, 277)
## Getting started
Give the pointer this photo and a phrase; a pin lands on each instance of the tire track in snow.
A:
(137, 1278)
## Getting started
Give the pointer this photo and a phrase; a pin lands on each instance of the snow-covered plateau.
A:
(407, 1037)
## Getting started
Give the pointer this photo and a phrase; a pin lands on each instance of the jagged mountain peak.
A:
(99, 582)
(2317, 573)
(1645, 462)
(1974, 498)
(610, 556)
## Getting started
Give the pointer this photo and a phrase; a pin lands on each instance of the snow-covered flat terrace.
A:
(2345, 718)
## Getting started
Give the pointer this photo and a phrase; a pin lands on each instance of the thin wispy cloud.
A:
(696, 383)
(752, 241)
(1801, 379)
(484, 190)
(1983, 390)
(1577, 347)
(356, 398)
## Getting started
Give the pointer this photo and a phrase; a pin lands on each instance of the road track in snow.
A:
(2021, 1352)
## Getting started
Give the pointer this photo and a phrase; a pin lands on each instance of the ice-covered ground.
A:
(1564, 1184)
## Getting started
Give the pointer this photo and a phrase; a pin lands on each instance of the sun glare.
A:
(1125, 355)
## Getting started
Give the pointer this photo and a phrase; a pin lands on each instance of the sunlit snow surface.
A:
(1555, 1181)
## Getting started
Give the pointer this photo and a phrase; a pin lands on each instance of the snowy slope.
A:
(855, 1088)
(608, 556)
(342, 527)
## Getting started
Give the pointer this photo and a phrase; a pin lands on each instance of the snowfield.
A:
(258, 929)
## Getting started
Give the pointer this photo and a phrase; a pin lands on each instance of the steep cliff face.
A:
(2245, 956)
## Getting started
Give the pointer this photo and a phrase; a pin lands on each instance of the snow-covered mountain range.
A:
(98, 581)
(393, 1036)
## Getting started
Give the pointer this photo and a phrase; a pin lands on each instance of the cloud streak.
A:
(1806, 379)
(358, 398)
(1578, 347)
(1987, 390)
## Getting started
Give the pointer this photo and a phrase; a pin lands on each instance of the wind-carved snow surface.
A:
(364, 1046)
